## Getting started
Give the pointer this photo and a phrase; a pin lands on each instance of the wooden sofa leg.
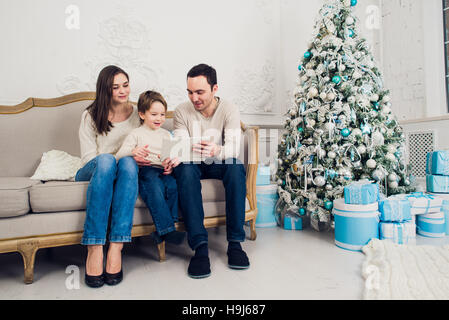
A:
(161, 250)
(252, 224)
(28, 251)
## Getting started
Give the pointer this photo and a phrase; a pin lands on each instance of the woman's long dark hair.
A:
(99, 109)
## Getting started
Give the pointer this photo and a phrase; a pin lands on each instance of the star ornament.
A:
(366, 128)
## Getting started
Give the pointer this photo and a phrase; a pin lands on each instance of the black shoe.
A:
(237, 259)
(199, 267)
(113, 279)
(94, 281)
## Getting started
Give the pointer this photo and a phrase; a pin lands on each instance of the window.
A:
(446, 44)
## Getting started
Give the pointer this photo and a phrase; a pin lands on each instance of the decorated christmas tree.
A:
(341, 128)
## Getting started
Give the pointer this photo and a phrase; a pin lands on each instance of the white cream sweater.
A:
(92, 144)
(223, 126)
(141, 137)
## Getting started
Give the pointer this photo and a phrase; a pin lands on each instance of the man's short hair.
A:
(206, 71)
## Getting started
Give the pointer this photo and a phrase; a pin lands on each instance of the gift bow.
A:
(420, 195)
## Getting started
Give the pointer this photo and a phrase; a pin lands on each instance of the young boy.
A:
(157, 187)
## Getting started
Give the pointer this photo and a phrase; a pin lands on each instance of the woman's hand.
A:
(140, 154)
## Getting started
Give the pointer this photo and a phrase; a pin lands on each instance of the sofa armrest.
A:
(252, 134)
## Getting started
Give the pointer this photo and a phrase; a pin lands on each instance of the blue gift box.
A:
(438, 163)
(398, 232)
(431, 225)
(395, 210)
(361, 192)
(436, 183)
(446, 216)
(292, 222)
(263, 176)
(355, 225)
(421, 203)
(267, 196)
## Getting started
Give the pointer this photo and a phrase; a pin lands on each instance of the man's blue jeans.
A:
(113, 188)
(160, 194)
(188, 176)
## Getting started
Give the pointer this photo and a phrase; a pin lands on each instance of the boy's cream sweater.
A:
(141, 137)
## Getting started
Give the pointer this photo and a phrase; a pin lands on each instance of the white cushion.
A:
(57, 165)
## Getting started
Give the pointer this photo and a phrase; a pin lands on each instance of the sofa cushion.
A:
(14, 197)
(55, 196)
(35, 224)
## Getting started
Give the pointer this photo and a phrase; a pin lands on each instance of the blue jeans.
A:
(112, 189)
(188, 176)
(160, 194)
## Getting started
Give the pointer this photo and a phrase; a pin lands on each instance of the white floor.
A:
(284, 265)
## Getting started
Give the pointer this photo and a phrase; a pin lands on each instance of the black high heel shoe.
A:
(94, 281)
(113, 279)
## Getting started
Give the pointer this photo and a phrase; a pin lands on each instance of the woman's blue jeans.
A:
(113, 188)
(160, 194)
(188, 176)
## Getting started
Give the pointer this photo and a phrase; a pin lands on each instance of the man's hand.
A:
(139, 154)
(207, 148)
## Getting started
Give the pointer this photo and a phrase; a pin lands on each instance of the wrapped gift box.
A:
(263, 176)
(267, 196)
(395, 210)
(431, 225)
(438, 184)
(293, 222)
(421, 203)
(355, 225)
(361, 192)
(398, 232)
(438, 163)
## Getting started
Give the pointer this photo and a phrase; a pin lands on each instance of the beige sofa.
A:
(35, 215)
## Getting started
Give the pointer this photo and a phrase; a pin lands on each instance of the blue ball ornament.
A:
(351, 33)
(302, 211)
(300, 129)
(336, 79)
(376, 105)
(307, 55)
(353, 3)
(300, 67)
(345, 132)
(328, 205)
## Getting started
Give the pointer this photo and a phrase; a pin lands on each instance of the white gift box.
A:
(398, 232)
(422, 203)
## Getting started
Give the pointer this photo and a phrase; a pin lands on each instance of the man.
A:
(207, 115)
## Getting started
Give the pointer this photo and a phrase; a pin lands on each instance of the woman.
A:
(113, 185)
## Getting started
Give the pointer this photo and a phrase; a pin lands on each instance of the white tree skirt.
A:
(403, 272)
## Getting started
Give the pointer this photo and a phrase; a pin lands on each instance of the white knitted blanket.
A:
(405, 272)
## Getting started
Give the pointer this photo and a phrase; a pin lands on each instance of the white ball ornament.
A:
(392, 177)
(386, 98)
(292, 151)
(374, 97)
(393, 184)
(313, 92)
(361, 149)
(391, 148)
(319, 181)
(390, 157)
(371, 163)
(356, 132)
(330, 96)
(341, 67)
(332, 154)
(323, 95)
(378, 175)
(349, 20)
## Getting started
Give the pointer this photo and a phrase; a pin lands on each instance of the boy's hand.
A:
(139, 154)
(169, 164)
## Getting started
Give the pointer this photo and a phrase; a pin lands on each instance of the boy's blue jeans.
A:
(188, 176)
(160, 194)
(113, 188)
